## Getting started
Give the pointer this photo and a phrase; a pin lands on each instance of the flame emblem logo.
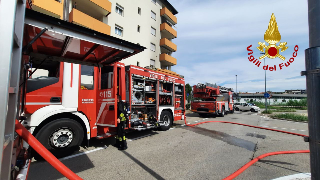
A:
(272, 37)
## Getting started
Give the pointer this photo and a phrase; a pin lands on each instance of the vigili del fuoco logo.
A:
(271, 49)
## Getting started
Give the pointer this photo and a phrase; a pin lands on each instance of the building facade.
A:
(274, 99)
(149, 23)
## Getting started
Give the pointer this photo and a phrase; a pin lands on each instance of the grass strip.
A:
(290, 116)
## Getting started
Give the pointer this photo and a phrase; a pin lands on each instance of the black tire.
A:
(252, 110)
(222, 112)
(202, 115)
(237, 109)
(61, 137)
(232, 111)
(166, 118)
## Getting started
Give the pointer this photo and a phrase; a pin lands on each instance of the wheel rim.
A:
(61, 138)
(222, 111)
(166, 120)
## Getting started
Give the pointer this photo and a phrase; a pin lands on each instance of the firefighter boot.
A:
(123, 143)
(117, 142)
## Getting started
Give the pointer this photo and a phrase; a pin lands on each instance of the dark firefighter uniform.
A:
(121, 141)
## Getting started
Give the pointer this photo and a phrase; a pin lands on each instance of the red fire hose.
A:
(37, 146)
(246, 166)
(185, 121)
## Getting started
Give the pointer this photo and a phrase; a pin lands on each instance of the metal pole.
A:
(236, 83)
(313, 85)
(265, 83)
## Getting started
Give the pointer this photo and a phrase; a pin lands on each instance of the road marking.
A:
(275, 127)
(196, 121)
(302, 130)
(83, 153)
(188, 123)
(283, 128)
(295, 176)
(293, 129)
(206, 118)
(264, 126)
(183, 125)
(171, 128)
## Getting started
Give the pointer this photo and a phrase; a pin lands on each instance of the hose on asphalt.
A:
(246, 166)
(42, 151)
(258, 127)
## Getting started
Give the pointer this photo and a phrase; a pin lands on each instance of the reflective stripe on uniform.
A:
(123, 119)
(120, 139)
(124, 138)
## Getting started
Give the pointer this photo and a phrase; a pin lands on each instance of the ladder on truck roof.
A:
(14, 19)
(12, 14)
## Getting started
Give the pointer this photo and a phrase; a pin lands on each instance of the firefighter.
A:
(121, 141)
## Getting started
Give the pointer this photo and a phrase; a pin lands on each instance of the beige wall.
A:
(130, 21)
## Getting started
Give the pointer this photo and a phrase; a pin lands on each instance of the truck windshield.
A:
(46, 75)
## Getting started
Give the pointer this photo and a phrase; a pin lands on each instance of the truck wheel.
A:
(232, 111)
(166, 120)
(202, 115)
(222, 112)
(252, 110)
(61, 137)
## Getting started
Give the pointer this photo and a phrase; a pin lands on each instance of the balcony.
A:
(167, 46)
(94, 8)
(48, 7)
(167, 60)
(82, 19)
(168, 15)
(167, 31)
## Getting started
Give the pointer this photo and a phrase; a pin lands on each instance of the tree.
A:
(188, 92)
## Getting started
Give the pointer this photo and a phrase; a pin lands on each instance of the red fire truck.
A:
(212, 99)
(68, 103)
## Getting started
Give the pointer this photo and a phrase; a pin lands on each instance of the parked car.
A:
(246, 107)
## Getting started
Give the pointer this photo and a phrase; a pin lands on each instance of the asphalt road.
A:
(208, 151)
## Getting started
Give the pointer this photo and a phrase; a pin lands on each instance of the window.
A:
(119, 30)
(153, 31)
(107, 77)
(154, 1)
(119, 9)
(153, 47)
(87, 73)
(153, 15)
(45, 75)
(139, 11)
(152, 62)
(138, 28)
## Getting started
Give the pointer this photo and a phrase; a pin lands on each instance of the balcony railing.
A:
(168, 45)
(167, 31)
(82, 19)
(168, 15)
(48, 7)
(168, 60)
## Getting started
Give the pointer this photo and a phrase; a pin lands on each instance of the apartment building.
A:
(149, 23)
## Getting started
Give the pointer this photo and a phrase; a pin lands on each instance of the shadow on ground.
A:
(48, 172)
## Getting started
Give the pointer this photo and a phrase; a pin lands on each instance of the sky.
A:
(213, 37)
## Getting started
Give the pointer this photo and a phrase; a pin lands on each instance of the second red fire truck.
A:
(212, 99)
